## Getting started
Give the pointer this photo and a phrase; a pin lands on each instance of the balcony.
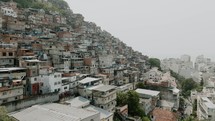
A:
(101, 100)
(104, 94)
(7, 88)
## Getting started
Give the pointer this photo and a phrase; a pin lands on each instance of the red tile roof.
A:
(163, 115)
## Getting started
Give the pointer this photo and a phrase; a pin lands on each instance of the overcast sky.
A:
(157, 28)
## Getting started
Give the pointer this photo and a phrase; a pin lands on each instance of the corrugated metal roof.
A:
(147, 92)
(88, 79)
(78, 102)
(53, 112)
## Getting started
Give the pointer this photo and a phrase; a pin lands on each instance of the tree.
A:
(154, 62)
(131, 99)
(188, 85)
(4, 116)
(140, 85)
(190, 118)
(133, 104)
(121, 99)
(145, 118)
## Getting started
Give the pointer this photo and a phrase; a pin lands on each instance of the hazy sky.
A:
(157, 28)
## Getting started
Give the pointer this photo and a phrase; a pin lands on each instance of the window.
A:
(55, 83)
(10, 61)
(4, 93)
(4, 54)
(33, 72)
(35, 79)
(10, 54)
(65, 87)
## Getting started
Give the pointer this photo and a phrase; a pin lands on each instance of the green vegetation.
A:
(133, 104)
(4, 116)
(190, 118)
(121, 99)
(131, 98)
(145, 119)
(140, 85)
(154, 62)
(186, 85)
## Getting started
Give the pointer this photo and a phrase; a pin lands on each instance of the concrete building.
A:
(11, 84)
(51, 83)
(105, 97)
(148, 99)
(185, 58)
(13, 24)
(105, 61)
(205, 108)
(168, 89)
(65, 86)
(125, 88)
(91, 64)
(8, 11)
(104, 115)
(181, 66)
(80, 102)
(7, 55)
(73, 82)
(153, 74)
(85, 84)
(55, 112)
(77, 62)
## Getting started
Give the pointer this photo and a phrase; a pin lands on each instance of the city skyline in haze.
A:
(160, 29)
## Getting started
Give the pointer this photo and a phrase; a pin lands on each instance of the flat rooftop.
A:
(11, 69)
(53, 112)
(78, 102)
(33, 61)
(104, 88)
(88, 79)
(103, 113)
(147, 92)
